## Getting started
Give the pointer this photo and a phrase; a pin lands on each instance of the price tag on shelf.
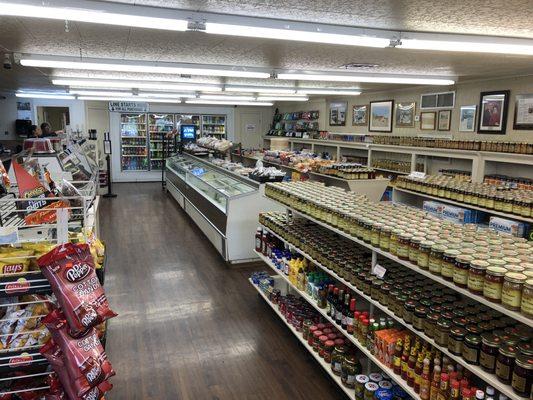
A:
(417, 175)
(379, 271)
(62, 225)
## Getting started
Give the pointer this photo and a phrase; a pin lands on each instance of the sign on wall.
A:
(128, 106)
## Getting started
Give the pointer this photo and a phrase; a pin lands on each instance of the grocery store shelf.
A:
(351, 338)
(133, 145)
(327, 367)
(133, 137)
(488, 378)
(465, 205)
(498, 307)
(391, 171)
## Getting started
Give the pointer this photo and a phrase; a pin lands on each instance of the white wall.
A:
(8, 115)
(466, 94)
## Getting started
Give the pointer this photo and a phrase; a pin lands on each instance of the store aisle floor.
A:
(189, 327)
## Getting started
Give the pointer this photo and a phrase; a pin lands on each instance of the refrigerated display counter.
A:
(224, 205)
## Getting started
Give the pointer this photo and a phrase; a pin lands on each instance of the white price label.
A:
(417, 175)
(62, 225)
(379, 271)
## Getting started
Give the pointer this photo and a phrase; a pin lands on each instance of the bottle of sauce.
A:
(405, 357)
(435, 383)
(411, 366)
(397, 360)
(350, 317)
(480, 394)
(444, 389)
(455, 390)
(424, 381)
(258, 240)
(418, 371)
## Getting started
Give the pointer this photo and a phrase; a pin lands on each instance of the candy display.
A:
(498, 197)
(70, 270)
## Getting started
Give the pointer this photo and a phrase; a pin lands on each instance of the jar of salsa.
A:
(322, 347)
(493, 283)
(455, 340)
(505, 363)
(512, 290)
(522, 378)
(476, 276)
(526, 306)
(328, 350)
(435, 259)
(310, 336)
(337, 358)
(490, 345)
(316, 340)
(423, 253)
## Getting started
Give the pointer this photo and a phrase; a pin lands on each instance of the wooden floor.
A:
(189, 327)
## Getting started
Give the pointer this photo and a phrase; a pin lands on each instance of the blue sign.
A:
(188, 132)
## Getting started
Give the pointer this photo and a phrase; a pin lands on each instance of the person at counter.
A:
(47, 130)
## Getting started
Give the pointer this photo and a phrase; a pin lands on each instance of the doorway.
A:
(57, 117)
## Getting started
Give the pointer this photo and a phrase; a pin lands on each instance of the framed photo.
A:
(428, 120)
(405, 115)
(523, 112)
(467, 118)
(360, 115)
(493, 112)
(381, 116)
(337, 113)
(445, 118)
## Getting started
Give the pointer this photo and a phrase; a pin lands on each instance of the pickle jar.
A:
(337, 358)
(423, 253)
(476, 276)
(505, 363)
(493, 283)
(512, 290)
(490, 345)
(374, 238)
(394, 241)
(460, 269)
(349, 371)
(526, 306)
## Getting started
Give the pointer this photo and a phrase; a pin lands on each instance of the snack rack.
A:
(23, 368)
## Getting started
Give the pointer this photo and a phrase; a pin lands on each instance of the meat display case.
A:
(223, 204)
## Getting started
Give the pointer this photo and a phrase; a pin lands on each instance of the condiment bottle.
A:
(444, 389)
(435, 383)
(424, 381)
(405, 357)
(418, 371)
(455, 390)
(411, 367)
(397, 360)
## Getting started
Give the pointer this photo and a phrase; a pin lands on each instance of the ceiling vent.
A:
(358, 66)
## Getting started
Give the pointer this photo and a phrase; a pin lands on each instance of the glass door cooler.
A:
(133, 143)
(214, 125)
(159, 125)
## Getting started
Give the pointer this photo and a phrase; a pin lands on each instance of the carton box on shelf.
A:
(433, 207)
(460, 215)
(508, 226)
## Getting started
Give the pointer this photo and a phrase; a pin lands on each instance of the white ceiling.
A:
(27, 35)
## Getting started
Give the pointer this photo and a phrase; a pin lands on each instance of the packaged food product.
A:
(84, 358)
(14, 261)
(61, 387)
(70, 270)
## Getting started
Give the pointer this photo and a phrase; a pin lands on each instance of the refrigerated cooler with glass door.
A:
(214, 125)
(159, 125)
(133, 143)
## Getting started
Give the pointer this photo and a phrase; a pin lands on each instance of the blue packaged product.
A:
(383, 394)
(398, 393)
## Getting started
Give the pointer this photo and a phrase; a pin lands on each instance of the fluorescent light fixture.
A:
(282, 98)
(131, 98)
(472, 45)
(163, 95)
(340, 92)
(98, 15)
(405, 80)
(229, 103)
(228, 98)
(259, 89)
(296, 32)
(45, 96)
(119, 84)
(98, 93)
(129, 66)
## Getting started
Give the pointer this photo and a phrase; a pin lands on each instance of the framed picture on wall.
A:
(467, 118)
(493, 112)
(405, 115)
(360, 115)
(337, 113)
(523, 112)
(428, 120)
(381, 116)
(445, 118)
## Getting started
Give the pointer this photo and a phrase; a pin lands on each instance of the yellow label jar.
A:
(423, 253)
(435, 258)
(449, 265)
(476, 276)
(512, 290)
(526, 306)
(394, 239)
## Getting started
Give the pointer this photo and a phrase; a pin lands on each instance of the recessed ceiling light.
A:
(131, 98)
(131, 66)
(45, 95)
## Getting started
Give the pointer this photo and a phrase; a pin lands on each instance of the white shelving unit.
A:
(478, 159)
(327, 367)
(410, 197)
(490, 379)
(498, 307)
(403, 384)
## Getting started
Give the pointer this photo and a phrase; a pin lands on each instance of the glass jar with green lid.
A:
(409, 311)
(471, 349)
(460, 270)
(476, 276)
(435, 258)
(448, 263)
(505, 363)
(442, 331)
(455, 340)
(419, 317)
(512, 290)
(430, 324)
(400, 301)
(489, 351)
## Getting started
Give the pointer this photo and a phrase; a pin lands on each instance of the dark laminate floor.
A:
(189, 327)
